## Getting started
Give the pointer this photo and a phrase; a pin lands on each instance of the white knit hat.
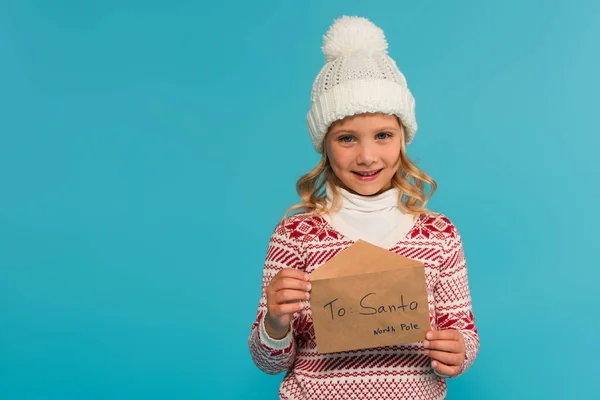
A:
(358, 77)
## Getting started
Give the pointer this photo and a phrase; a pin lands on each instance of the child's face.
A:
(364, 151)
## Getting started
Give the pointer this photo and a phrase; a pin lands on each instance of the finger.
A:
(446, 334)
(290, 283)
(287, 296)
(451, 359)
(445, 370)
(451, 346)
(288, 308)
(293, 273)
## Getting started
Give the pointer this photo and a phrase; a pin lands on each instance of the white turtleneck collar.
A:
(375, 219)
(365, 204)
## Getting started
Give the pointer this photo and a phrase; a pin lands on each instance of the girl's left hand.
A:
(447, 349)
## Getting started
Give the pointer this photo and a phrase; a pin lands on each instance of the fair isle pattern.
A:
(305, 242)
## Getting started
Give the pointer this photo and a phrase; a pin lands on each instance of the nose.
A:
(366, 155)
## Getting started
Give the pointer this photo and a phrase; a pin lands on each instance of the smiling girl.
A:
(362, 117)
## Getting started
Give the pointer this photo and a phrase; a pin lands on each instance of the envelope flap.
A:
(362, 257)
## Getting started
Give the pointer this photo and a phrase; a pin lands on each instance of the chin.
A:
(369, 190)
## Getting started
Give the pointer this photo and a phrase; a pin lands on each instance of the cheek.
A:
(339, 159)
(392, 156)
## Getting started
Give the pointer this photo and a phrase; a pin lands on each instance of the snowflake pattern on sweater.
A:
(305, 242)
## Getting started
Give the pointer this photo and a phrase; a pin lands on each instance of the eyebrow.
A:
(381, 129)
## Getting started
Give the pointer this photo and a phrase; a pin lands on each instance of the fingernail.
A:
(308, 287)
(306, 276)
(434, 364)
(429, 336)
(426, 343)
(426, 352)
(307, 295)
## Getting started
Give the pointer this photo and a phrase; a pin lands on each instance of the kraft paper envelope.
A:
(367, 296)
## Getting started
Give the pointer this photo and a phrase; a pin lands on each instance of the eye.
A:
(345, 139)
(383, 135)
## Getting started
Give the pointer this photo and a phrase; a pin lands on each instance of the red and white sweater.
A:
(305, 242)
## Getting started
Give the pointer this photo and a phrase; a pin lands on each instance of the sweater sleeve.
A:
(274, 356)
(453, 298)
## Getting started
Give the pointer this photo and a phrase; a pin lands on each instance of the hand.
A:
(447, 349)
(286, 293)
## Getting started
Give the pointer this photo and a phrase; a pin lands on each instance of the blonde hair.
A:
(409, 179)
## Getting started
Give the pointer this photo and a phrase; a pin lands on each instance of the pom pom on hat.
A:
(350, 34)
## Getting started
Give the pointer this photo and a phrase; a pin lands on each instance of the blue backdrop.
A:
(147, 149)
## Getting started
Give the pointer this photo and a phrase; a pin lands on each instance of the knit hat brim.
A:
(360, 96)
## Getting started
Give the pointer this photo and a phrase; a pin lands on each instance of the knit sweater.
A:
(305, 242)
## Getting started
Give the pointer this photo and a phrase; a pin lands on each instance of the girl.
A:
(365, 187)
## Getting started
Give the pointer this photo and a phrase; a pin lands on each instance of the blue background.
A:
(148, 148)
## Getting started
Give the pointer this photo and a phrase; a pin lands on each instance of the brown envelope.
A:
(366, 297)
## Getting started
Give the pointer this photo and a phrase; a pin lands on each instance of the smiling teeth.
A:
(369, 174)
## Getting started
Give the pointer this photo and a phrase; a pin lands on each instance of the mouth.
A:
(367, 175)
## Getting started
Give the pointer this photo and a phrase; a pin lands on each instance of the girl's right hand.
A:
(286, 293)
